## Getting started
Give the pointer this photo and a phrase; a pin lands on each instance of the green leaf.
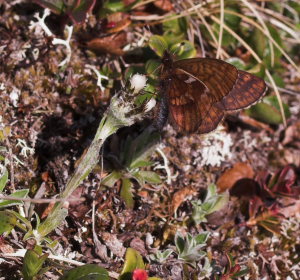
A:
(158, 45)
(133, 260)
(133, 69)
(237, 62)
(277, 53)
(126, 193)
(202, 238)
(140, 179)
(111, 179)
(183, 24)
(258, 70)
(278, 80)
(259, 42)
(273, 101)
(22, 219)
(86, 272)
(33, 262)
(211, 191)
(176, 26)
(227, 38)
(268, 111)
(241, 273)
(7, 221)
(19, 194)
(137, 151)
(179, 242)
(220, 202)
(56, 6)
(53, 221)
(231, 20)
(3, 179)
(161, 256)
(140, 163)
(153, 67)
(114, 6)
(183, 50)
(150, 177)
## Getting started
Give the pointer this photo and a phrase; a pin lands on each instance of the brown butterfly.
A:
(198, 92)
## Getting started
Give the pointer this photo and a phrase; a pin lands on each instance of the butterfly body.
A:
(200, 91)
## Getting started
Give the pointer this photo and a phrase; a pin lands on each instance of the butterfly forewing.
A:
(200, 90)
(218, 76)
(184, 102)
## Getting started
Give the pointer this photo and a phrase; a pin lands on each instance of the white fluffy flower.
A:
(150, 105)
(138, 82)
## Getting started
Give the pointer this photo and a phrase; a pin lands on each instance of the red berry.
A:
(139, 274)
(111, 24)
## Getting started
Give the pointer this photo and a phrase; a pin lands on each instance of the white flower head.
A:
(138, 82)
(150, 105)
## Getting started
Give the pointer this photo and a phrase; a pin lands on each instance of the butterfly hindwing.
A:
(247, 90)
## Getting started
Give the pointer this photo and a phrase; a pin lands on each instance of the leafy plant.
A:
(133, 157)
(16, 194)
(33, 262)
(86, 272)
(7, 222)
(213, 202)
(233, 271)
(180, 49)
(161, 256)
(134, 267)
(113, 6)
(268, 111)
(189, 248)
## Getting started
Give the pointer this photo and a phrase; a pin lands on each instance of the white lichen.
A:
(14, 96)
(25, 150)
(66, 43)
(40, 25)
(100, 77)
(215, 148)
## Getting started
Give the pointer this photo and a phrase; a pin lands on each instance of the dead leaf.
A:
(291, 210)
(180, 196)
(254, 123)
(111, 44)
(114, 244)
(45, 176)
(4, 247)
(47, 210)
(292, 135)
(117, 22)
(139, 245)
(164, 5)
(239, 171)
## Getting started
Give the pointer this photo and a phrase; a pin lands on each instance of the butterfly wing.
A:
(202, 89)
(235, 89)
(191, 105)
